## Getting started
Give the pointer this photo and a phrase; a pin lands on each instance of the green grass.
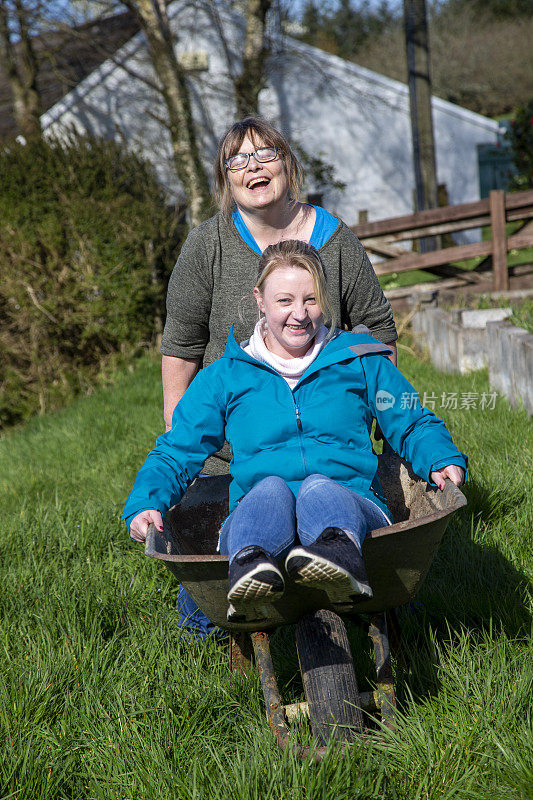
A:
(102, 697)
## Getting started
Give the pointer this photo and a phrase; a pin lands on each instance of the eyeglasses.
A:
(240, 160)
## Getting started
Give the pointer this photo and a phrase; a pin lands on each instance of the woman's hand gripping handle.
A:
(140, 523)
(452, 471)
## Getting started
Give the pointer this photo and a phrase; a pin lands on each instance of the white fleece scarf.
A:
(291, 369)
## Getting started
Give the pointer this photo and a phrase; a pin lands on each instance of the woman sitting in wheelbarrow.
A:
(296, 403)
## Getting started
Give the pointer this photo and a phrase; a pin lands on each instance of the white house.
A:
(357, 120)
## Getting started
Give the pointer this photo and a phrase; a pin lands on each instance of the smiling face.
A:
(258, 185)
(288, 301)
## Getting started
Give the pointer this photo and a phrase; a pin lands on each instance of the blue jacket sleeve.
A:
(198, 425)
(414, 432)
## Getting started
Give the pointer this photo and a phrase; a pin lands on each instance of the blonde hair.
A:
(261, 132)
(293, 253)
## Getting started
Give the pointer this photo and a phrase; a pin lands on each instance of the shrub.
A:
(86, 245)
(520, 136)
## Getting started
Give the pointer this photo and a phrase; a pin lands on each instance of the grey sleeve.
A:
(189, 297)
(362, 296)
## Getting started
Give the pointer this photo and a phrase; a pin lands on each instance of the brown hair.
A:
(260, 131)
(293, 253)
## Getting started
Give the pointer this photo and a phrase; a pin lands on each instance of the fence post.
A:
(500, 274)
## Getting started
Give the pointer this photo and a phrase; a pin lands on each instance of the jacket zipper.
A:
(300, 429)
(297, 412)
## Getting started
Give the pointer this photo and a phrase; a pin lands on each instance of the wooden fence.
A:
(381, 237)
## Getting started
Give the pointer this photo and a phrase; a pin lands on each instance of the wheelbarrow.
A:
(397, 560)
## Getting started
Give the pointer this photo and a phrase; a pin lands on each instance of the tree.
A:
(251, 79)
(419, 80)
(502, 9)
(477, 61)
(153, 20)
(18, 59)
(172, 82)
(342, 28)
(171, 78)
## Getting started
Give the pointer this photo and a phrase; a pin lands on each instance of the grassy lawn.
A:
(101, 697)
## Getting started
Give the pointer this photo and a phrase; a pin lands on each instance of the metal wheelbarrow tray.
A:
(397, 560)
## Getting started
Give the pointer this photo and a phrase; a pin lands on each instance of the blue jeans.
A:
(271, 517)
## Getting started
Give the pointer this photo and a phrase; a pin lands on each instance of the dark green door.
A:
(495, 166)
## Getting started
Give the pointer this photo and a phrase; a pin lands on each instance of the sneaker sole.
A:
(320, 573)
(262, 583)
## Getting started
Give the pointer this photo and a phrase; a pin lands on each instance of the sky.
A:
(55, 7)
(297, 5)
(58, 8)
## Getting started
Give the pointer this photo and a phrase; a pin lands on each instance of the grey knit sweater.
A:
(211, 288)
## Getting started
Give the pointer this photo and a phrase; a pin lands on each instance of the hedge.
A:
(87, 243)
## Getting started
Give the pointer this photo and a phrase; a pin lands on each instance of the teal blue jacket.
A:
(321, 426)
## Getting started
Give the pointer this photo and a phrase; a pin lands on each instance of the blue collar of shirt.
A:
(325, 225)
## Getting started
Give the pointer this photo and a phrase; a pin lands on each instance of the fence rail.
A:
(496, 211)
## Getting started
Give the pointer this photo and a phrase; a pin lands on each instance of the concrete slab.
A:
(478, 318)
(505, 348)
(497, 377)
(522, 371)
(510, 356)
(473, 353)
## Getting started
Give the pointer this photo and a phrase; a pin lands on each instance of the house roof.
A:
(66, 57)
(384, 88)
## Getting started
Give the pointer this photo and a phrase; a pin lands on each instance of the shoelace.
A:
(330, 534)
(249, 554)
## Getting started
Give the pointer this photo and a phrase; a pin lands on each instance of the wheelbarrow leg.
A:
(274, 705)
(240, 653)
(377, 630)
(275, 710)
